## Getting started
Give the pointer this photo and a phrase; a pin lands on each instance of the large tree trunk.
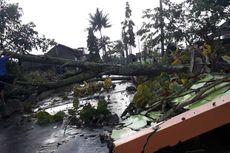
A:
(59, 61)
(69, 81)
(91, 70)
(102, 67)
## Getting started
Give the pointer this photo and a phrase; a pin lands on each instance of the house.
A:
(58, 51)
(62, 51)
(131, 58)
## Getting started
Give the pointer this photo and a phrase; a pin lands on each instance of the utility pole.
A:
(162, 28)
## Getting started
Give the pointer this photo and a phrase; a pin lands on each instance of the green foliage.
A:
(128, 35)
(102, 107)
(58, 116)
(143, 95)
(14, 35)
(75, 103)
(90, 115)
(38, 77)
(65, 96)
(107, 83)
(87, 114)
(87, 89)
(91, 88)
(117, 48)
(226, 58)
(79, 91)
(140, 79)
(44, 117)
(71, 112)
(187, 22)
(163, 85)
(180, 57)
(93, 47)
(98, 21)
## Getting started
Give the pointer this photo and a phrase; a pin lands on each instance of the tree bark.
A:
(130, 70)
(91, 69)
(60, 61)
(137, 70)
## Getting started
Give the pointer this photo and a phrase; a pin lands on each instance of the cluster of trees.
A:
(17, 36)
(171, 24)
(184, 23)
(98, 21)
(187, 22)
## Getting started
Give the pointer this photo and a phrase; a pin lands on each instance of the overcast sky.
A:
(66, 20)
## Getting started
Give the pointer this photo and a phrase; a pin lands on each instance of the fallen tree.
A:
(91, 71)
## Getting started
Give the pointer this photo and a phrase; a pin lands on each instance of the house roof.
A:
(179, 128)
(63, 51)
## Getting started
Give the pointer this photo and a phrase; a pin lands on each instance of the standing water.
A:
(29, 137)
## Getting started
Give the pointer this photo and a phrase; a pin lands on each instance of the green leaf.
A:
(198, 85)
(206, 78)
(154, 115)
(184, 98)
(136, 122)
(121, 133)
(213, 95)
(226, 58)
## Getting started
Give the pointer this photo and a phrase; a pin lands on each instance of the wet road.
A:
(28, 137)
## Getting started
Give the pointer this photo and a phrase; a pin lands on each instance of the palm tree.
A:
(93, 46)
(98, 21)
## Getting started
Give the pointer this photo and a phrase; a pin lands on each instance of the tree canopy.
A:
(93, 46)
(128, 35)
(98, 21)
(189, 21)
(17, 36)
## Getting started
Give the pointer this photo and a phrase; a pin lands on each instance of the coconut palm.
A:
(98, 21)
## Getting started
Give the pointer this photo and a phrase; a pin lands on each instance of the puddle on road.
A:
(86, 139)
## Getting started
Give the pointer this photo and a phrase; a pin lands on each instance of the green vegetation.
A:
(91, 88)
(87, 89)
(98, 21)
(75, 103)
(95, 116)
(14, 35)
(93, 47)
(37, 77)
(87, 114)
(143, 95)
(44, 117)
(190, 32)
(107, 84)
(160, 86)
(58, 116)
(172, 93)
(128, 36)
